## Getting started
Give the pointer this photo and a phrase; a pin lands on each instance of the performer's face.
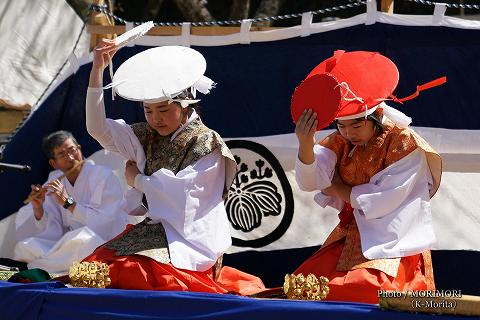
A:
(357, 131)
(163, 117)
(66, 155)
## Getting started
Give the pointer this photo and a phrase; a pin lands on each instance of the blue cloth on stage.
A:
(52, 300)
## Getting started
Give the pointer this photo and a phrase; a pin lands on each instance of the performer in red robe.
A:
(374, 169)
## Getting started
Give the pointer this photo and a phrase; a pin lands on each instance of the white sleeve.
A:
(319, 174)
(138, 183)
(103, 213)
(190, 207)
(96, 120)
(50, 227)
(393, 212)
(193, 190)
(114, 135)
(391, 187)
(26, 224)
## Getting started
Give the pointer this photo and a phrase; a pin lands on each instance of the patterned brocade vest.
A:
(190, 145)
(356, 167)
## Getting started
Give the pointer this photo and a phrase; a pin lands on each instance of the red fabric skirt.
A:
(141, 272)
(362, 285)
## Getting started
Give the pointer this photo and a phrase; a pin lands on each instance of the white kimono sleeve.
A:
(113, 135)
(392, 211)
(96, 118)
(50, 227)
(102, 212)
(191, 208)
(318, 176)
(116, 136)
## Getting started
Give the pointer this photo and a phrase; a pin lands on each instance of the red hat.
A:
(349, 85)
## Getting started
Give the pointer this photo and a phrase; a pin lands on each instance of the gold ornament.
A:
(89, 274)
(309, 288)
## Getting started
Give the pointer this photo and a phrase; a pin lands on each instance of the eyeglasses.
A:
(68, 152)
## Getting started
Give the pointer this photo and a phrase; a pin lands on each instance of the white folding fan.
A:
(133, 34)
(127, 37)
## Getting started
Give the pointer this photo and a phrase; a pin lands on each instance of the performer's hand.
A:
(103, 54)
(305, 132)
(131, 172)
(57, 191)
(38, 200)
(305, 128)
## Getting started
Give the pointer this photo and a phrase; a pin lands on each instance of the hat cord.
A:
(346, 87)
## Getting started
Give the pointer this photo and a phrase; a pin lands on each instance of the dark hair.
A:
(54, 140)
(184, 95)
(187, 94)
(375, 117)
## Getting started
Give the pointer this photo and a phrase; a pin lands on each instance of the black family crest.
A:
(260, 200)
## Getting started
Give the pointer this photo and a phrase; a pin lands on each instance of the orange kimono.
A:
(352, 276)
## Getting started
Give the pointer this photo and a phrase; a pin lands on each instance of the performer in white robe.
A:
(188, 203)
(180, 168)
(80, 211)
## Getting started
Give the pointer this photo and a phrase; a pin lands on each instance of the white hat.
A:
(160, 74)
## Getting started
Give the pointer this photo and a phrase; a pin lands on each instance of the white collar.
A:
(192, 117)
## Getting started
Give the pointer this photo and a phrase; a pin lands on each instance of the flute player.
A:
(75, 211)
